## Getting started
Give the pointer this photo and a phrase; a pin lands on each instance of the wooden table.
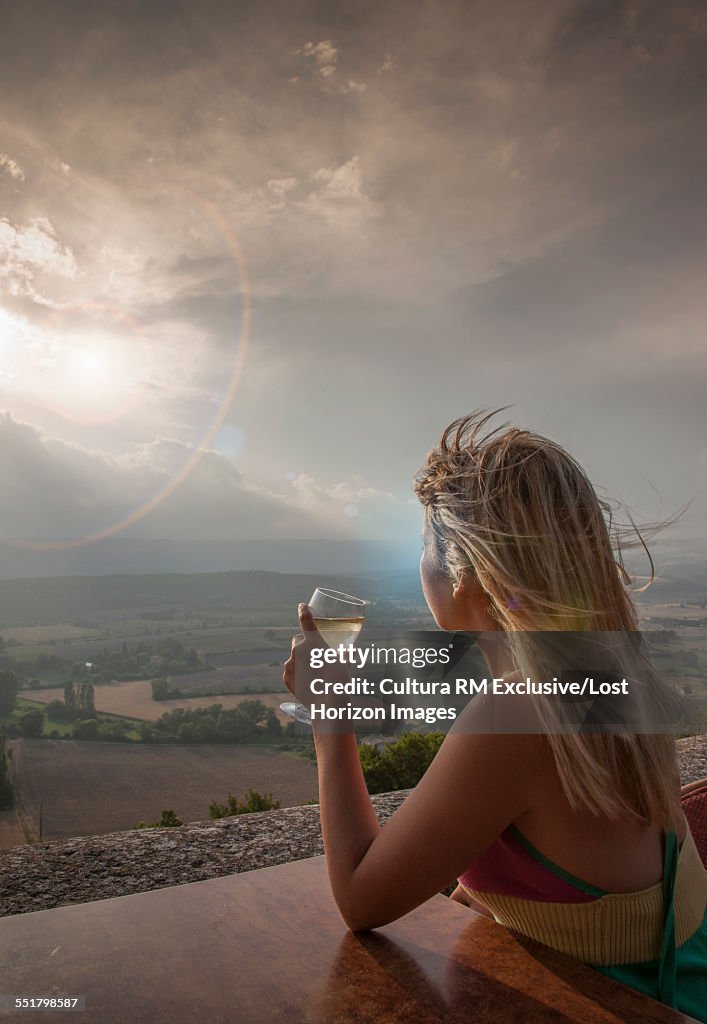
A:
(269, 946)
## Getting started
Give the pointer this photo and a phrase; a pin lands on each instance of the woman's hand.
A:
(298, 673)
(300, 647)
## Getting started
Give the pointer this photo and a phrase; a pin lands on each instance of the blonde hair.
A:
(519, 512)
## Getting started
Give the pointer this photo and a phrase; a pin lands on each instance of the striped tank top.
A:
(654, 939)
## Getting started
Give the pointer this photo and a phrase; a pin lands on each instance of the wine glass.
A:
(339, 619)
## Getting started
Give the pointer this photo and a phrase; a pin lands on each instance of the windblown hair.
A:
(518, 512)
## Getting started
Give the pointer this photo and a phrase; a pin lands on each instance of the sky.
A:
(254, 257)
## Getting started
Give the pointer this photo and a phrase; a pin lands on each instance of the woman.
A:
(516, 542)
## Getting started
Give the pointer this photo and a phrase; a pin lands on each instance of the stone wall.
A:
(54, 874)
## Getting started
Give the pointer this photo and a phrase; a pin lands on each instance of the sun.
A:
(92, 366)
(93, 376)
(91, 379)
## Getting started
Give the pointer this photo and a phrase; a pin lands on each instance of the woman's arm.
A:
(349, 822)
(471, 792)
(475, 787)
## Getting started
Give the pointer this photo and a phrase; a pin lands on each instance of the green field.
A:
(65, 728)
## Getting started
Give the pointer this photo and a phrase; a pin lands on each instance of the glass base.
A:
(298, 711)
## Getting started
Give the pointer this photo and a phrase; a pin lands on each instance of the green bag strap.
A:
(667, 981)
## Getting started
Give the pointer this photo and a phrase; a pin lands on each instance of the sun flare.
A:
(90, 378)
(92, 368)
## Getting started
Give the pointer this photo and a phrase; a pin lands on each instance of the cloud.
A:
(10, 167)
(324, 54)
(377, 512)
(59, 166)
(343, 182)
(316, 495)
(353, 86)
(56, 490)
(339, 198)
(515, 199)
(281, 186)
(30, 250)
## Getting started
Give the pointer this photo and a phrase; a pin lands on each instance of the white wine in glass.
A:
(339, 619)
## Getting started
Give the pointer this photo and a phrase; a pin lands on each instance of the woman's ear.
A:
(466, 587)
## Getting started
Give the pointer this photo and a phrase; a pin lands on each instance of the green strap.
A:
(592, 890)
(667, 968)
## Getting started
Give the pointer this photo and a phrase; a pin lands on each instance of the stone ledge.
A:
(54, 874)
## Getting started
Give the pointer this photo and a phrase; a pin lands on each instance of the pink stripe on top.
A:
(507, 868)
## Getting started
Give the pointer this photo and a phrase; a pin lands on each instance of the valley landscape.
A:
(206, 639)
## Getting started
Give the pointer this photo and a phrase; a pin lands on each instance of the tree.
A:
(9, 688)
(253, 711)
(401, 764)
(377, 772)
(253, 802)
(113, 731)
(205, 730)
(32, 723)
(257, 719)
(70, 695)
(412, 755)
(168, 820)
(186, 733)
(162, 689)
(272, 724)
(86, 729)
(56, 711)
